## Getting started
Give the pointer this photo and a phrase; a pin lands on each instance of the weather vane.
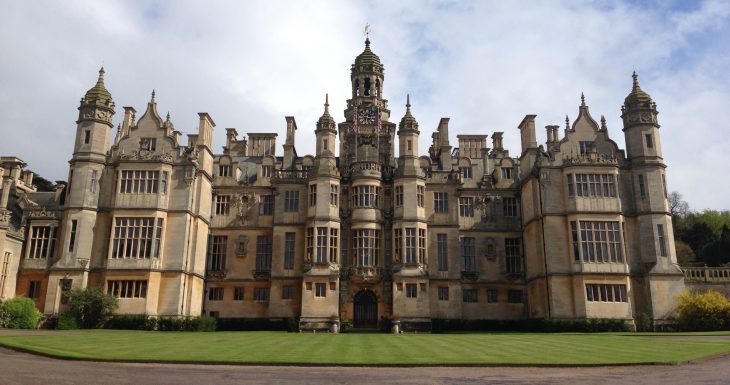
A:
(366, 31)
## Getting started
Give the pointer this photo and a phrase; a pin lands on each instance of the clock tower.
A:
(366, 134)
(366, 168)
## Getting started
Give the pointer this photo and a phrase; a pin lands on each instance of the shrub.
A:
(547, 325)
(207, 324)
(66, 321)
(644, 323)
(345, 325)
(251, 324)
(292, 324)
(21, 313)
(4, 317)
(702, 311)
(90, 306)
(192, 324)
(131, 322)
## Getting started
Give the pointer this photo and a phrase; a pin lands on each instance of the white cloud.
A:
(484, 64)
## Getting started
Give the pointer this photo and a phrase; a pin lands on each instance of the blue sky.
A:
(484, 64)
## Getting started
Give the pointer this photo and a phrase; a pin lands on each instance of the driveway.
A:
(23, 368)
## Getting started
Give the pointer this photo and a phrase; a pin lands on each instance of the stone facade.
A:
(575, 228)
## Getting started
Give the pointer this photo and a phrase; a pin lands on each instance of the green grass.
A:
(369, 349)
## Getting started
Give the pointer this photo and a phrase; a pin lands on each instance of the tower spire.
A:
(153, 96)
(582, 100)
(326, 102)
(408, 102)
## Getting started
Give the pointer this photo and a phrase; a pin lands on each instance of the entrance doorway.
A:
(366, 310)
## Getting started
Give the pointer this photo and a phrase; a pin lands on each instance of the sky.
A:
(484, 64)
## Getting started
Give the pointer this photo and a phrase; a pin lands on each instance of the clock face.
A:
(367, 116)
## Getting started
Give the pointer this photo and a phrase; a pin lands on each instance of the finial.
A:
(636, 80)
(408, 101)
(168, 116)
(326, 102)
(603, 123)
(101, 76)
(119, 127)
(582, 100)
(153, 96)
(567, 122)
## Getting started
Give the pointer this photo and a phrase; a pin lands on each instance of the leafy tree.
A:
(685, 254)
(43, 184)
(21, 313)
(698, 236)
(714, 219)
(90, 306)
(702, 311)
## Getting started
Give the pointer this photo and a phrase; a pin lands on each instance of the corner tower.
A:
(656, 273)
(86, 173)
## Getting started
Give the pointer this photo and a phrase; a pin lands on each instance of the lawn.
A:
(370, 349)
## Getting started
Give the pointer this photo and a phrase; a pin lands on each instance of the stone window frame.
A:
(127, 288)
(411, 290)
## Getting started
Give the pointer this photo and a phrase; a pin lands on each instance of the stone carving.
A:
(43, 213)
(482, 203)
(591, 158)
(242, 203)
(4, 217)
(242, 248)
(147, 155)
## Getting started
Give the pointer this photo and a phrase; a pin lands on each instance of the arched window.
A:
(377, 88)
(367, 86)
(357, 87)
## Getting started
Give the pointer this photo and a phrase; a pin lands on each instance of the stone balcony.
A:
(133, 263)
(414, 269)
(706, 274)
(321, 268)
(366, 169)
(601, 267)
(366, 274)
(35, 263)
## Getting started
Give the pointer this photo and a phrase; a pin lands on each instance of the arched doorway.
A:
(366, 310)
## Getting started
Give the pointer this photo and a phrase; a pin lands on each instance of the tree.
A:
(685, 254)
(677, 206)
(698, 236)
(43, 184)
(90, 306)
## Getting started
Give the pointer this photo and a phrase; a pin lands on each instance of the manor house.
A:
(370, 226)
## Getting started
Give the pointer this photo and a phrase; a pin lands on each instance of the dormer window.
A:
(148, 144)
(267, 171)
(224, 170)
(587, 147)
(506, 172)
